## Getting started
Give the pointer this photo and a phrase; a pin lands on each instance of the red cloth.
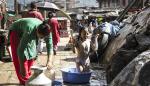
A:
(55, 30)
(1, 17)
(22, 67)
(35, 14)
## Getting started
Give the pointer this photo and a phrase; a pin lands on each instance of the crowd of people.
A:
(27, 34)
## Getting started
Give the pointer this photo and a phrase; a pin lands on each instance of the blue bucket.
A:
(71, 75)
(57, 83)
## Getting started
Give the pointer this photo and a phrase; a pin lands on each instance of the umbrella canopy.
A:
(25, 2)
(47, 6)
(61, 13)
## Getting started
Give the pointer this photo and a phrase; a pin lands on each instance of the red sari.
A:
(22, 67)
(34, 14)
(55, 31)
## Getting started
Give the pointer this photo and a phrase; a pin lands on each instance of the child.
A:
(82, 45)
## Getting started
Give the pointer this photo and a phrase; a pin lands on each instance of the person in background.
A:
(34, 13)
(1, 15)
(99, 20)
(83, 22)
(53, 22)
(4, 17)
(91, 27)
(23, 36)
(82, 44)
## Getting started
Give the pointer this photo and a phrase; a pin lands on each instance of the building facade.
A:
(117, 4)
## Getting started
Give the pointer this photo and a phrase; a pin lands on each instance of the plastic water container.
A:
(71, 75)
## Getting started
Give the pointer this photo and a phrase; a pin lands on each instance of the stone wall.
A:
(134, 39)
(136, 73)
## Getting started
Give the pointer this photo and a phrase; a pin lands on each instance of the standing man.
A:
(24, 34)
(53, 22)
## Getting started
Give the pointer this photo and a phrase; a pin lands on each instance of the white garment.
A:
(40, 45)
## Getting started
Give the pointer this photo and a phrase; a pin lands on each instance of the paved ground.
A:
(63, 59)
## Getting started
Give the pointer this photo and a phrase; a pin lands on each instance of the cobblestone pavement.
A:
(63, 59)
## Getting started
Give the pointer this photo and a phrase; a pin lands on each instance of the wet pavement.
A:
(63, 59)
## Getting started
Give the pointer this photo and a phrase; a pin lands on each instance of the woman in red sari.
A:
(23, 36)
(53, 22)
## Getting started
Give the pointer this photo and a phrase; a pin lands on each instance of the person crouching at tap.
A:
(82, 44)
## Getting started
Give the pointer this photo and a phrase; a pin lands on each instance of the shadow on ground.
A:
(69, 59)
(6, 59)
(60, 48)
(7, 84)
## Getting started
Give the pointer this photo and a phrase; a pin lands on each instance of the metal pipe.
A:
(16, 7)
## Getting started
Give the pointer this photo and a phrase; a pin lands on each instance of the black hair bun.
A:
(44, 22)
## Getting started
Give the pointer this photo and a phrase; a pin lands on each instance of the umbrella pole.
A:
(45, 14)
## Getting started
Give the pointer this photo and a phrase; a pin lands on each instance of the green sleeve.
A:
(22, 45)
(49, 44)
